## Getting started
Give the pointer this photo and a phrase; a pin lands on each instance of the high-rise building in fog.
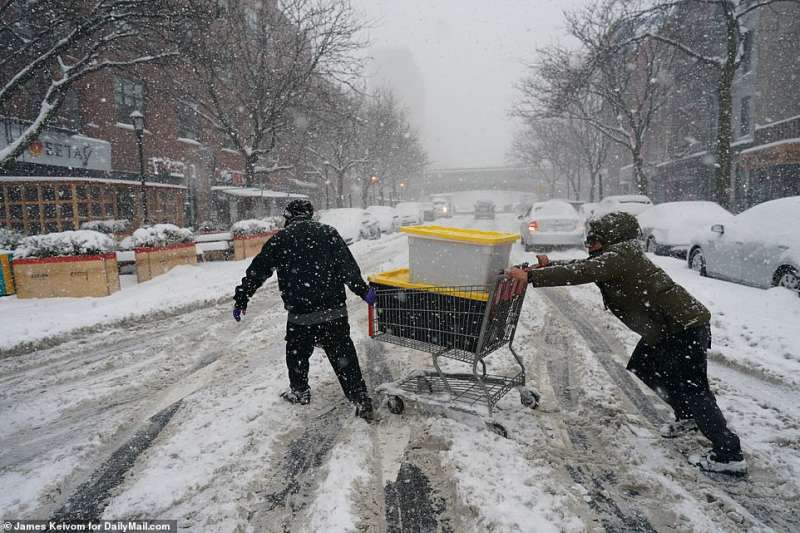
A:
(395, 68)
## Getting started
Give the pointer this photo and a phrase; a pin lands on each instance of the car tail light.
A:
(533, 225)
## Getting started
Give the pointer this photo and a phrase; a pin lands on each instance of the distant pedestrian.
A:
(314, 264)
(671, 355)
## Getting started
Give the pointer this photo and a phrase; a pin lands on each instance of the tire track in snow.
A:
(91, 498)
(422, 495)
(756, 494)
(614, 509)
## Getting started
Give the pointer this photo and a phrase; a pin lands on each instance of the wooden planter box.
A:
(152, 262)
(6, 279)
(249, 246)
(71, 276)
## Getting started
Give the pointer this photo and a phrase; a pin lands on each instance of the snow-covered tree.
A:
(260, 62)
(51, 44)
(724, 21)
(612, 82)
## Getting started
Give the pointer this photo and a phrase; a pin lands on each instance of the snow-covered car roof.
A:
(675, 223)
(553, 208)
(346, 220)
(409, 206)
(775, 219)
(628, 199)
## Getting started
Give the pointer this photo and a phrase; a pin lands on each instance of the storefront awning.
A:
(71, 179)
(783, 152)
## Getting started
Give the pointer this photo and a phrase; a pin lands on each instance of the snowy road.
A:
(179, 418)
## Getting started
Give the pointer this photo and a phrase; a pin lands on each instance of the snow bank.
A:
(254, 226)
(107, 226)
(67, 243)
(347, 467)
(513, 493)
(160, 235)
(9, 239)
(32, 320)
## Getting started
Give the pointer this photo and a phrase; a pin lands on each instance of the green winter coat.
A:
(639, 293)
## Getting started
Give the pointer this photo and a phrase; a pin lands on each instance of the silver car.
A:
(551, 224)
(759, 247)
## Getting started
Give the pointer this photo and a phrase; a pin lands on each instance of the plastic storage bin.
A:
(445, 256)
(448, 317)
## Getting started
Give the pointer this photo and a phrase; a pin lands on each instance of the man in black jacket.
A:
(314, 264)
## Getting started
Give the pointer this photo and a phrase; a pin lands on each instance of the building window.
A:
(188, 126)
(747, 52)
(745, 116)
(128, 97)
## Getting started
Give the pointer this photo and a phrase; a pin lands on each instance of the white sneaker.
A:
(678, 428)
(709, 462)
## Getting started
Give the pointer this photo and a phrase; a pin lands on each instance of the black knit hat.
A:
(298, 210)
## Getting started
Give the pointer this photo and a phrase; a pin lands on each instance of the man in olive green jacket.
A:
(671, 355)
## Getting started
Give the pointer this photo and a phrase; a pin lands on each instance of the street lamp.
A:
(137, 119)
(327, 194)
(374, 180)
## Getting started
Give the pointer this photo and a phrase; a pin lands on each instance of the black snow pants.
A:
(676, 369)
(334, 338)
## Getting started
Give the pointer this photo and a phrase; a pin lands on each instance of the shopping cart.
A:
(465, 324)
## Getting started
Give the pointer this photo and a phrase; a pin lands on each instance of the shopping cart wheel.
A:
(528, 398)
(395, 405)
(496, 427)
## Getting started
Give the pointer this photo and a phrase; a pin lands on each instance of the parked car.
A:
(388, 218)
(553, 223)
(442, 206)
(353, 224)
(484, 209)
(428, 213)
(409, 213)
(631, 203)
(759, 247)
(667, 229)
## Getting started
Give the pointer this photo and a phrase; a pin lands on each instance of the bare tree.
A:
(393, 148)
(259, 64)
(335, 144)
(55, 43)
(724, 59)
(548, 146)
(598, 84)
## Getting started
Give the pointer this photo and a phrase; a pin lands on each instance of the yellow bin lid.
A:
(401, 278)
(468, 236)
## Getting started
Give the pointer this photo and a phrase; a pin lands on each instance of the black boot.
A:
(364, 409)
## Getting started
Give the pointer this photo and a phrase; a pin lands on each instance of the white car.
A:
(353, 224)
(409, 213)
(551, 224)
(667, 229)
(387, 217)
(759, 247)
(630, 203)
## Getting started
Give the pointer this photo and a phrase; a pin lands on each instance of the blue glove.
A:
(238, 313)
(371, 297)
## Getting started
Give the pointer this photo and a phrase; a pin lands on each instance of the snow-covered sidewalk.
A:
(31, 321)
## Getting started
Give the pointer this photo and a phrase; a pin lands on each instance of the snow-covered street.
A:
(162, 406)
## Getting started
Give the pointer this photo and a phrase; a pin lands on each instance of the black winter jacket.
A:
(313, 263)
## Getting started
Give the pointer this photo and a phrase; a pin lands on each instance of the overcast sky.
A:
(468, 54)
